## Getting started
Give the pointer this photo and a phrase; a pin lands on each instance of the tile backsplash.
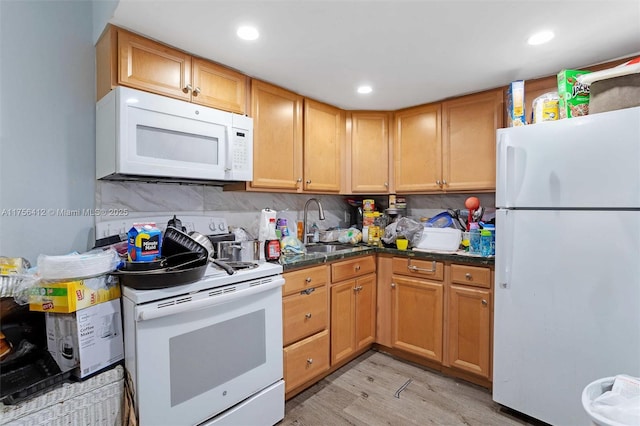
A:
(242, 209)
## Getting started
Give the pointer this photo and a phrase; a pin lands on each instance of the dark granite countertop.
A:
(312, 259)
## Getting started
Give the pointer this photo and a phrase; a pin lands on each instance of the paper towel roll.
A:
(263, 229)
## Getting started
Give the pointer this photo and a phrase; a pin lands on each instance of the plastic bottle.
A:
(272, 243)
(485, 242)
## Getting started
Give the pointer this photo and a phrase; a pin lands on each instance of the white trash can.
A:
(591, 392)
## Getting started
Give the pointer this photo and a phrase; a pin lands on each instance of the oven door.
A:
(204, 353)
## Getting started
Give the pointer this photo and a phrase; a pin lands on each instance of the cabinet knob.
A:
(484, 302)
(393, 285)
(307, 315)
(444, 182)
(308, 279)
(357, 267)
(309, 361)
(468, 276)
(308, 181)
(438, 183)
(299, 180)
(386, 184)
(196, 91)
(187, 88)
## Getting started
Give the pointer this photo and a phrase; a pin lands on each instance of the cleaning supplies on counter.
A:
(272, 242)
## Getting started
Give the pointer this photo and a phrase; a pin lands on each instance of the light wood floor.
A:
(362, 393)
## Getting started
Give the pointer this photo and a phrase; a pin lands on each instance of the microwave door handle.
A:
(149, 313)
(228, 164)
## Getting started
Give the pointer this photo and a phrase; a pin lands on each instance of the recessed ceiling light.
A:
(540, 38)
(365, 89)
(248, 33)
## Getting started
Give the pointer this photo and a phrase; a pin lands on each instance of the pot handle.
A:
(223, 265)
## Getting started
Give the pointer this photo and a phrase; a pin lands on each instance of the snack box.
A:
(515, 104)
(86, 341)
(573, 95)
(70, 296)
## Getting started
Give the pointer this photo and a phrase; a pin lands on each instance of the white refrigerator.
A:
(567, 282)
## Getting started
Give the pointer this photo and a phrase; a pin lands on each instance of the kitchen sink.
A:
(327, 248)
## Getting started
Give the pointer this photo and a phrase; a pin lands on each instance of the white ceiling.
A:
(410, 52)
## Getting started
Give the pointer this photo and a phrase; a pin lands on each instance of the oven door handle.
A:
(149, 313)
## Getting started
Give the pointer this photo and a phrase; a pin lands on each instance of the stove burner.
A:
(242, 265)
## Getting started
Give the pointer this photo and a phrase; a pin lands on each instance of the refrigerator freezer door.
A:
(584, 162)
(567, 303)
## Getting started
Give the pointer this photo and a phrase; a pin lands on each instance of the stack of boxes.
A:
(83, 322)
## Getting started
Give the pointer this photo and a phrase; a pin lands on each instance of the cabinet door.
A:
(342, 320)
(369, 152)
(470, 329)
(365, 311)
(277, 137)
(146, 65)
(417, 149)
(469, 141)
(218, 87)
(416, 317)
(323, 146)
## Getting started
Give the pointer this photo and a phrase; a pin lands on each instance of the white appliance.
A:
(567, 286)
(208, 352)
(143, 136)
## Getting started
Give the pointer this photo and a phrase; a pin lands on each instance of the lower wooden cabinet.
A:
(305, 360)
(305, 319)
(416, 316)
(469, 327)
(469, 320)
(353, 316)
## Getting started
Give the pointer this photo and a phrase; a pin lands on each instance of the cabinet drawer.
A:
(306, 359)
(304, 314)
(418, 268)
(352, 268)
(471, 275)
(303, 279)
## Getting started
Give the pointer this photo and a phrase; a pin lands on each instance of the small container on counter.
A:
(486, 243)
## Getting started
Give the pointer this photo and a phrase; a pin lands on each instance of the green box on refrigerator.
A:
(574, 96)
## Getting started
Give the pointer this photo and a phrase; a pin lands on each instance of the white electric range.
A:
(207, 352)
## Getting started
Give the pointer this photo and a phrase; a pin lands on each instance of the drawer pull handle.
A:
(309, 361)
(468, 276)
(307, 315)
(308, 279)
(358, 288)
(357, 267)
(484, 302)
(393, 285)
(188, 88)
(414, 268)
(308, 291)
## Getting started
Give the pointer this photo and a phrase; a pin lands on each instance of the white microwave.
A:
(142, 136)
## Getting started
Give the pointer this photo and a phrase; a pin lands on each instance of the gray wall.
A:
(47, 126)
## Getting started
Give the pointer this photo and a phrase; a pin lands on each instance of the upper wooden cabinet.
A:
(469, 141)
(369, 152)
(417, 149)
(277, 138)
(324, 129)
(124, 58)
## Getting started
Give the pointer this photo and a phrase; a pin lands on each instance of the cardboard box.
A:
(515, 104)
(615, 93)
(69, 296)
(88, 340)
(573, 95)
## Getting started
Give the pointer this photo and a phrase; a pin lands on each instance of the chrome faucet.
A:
(306, 210)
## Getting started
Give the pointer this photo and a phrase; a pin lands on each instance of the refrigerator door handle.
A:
(504, 248)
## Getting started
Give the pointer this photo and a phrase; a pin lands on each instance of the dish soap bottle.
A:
(272, 243)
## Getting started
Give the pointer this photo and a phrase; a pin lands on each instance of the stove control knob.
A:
(221, 226)
(212, 226)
